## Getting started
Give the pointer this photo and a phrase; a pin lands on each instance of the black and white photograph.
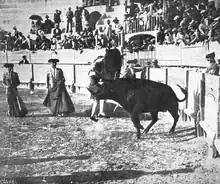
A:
(109, 91)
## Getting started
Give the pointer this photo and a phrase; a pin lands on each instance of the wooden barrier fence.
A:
(202, 106)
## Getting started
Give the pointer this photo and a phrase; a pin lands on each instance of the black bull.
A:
(112, 63)
(141, 96)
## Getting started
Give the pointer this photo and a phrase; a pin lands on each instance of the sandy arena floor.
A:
(60, 150)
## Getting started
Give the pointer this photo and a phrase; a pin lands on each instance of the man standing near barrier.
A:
(16, 106)
(57, 99)
(132, 68)
(213, 68)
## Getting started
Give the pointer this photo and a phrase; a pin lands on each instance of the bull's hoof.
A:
(138, 136)
(141, 127)
(171, 132)
(146, 130)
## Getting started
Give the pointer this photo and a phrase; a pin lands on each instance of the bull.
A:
(140, 96)
(112, 63)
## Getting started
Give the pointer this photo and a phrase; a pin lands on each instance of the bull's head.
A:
(112, 63)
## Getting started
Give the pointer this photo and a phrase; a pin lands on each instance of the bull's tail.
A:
(184, 91)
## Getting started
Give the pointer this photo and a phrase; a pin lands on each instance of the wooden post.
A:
(218, 110)
(184, 116)
(201, 116)
(187, 85)
(148, 73)
(74, 79)
(217, 141)
(166, 76)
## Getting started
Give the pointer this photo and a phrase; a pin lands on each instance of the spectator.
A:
(132, 8)
(174, 31)
(66, 43)
(24, 60)
(180, 37)
(78, 20)
(131, 69)
(69, 17)
(14, 32)
(87, 37)
(108, 31)
(38, 25)
(213, 68)
(9, 41)
(160, 36)
(117, 29)
(53, 43)
(56, 17)
(33, 29)
(85, 17)
(168, 36)
(100, 38)
(57, 32)
(155, 63)
(48, 25)
(45, 44)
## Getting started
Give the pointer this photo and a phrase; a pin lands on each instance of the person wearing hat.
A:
(57, 99)
(85, 17)
(95, 75)
(78, 20)
(131, 69)
(57, 32)
(117, 29)
(87, 36)
(56, 17)
(213, 67)
(24, 60)
(48, 25)
(69, 17)
(16, 106)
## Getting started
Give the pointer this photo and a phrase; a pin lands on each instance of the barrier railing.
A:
(201, 108)
(202, 105)
(145, 23)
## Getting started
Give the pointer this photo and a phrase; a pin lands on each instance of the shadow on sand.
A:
(24, 161)
(98, 176)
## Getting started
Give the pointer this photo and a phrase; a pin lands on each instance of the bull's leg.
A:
(154, 116)
(135, 119)
(175, 115)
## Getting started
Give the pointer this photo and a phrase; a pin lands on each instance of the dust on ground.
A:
(59, 150)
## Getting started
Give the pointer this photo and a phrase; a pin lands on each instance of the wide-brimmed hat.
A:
(116, 20)
(8, 65)
(53, 60)
(24, 57)
(155, 61)
(203, 12)
(134, 61)
(174, 29)
(210, 55)
(180, 29)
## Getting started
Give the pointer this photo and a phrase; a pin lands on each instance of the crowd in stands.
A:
(47, 34)
(184, 22)
(100, 2)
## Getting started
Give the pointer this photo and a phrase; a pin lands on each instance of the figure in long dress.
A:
(16, 106)
(57, 99)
